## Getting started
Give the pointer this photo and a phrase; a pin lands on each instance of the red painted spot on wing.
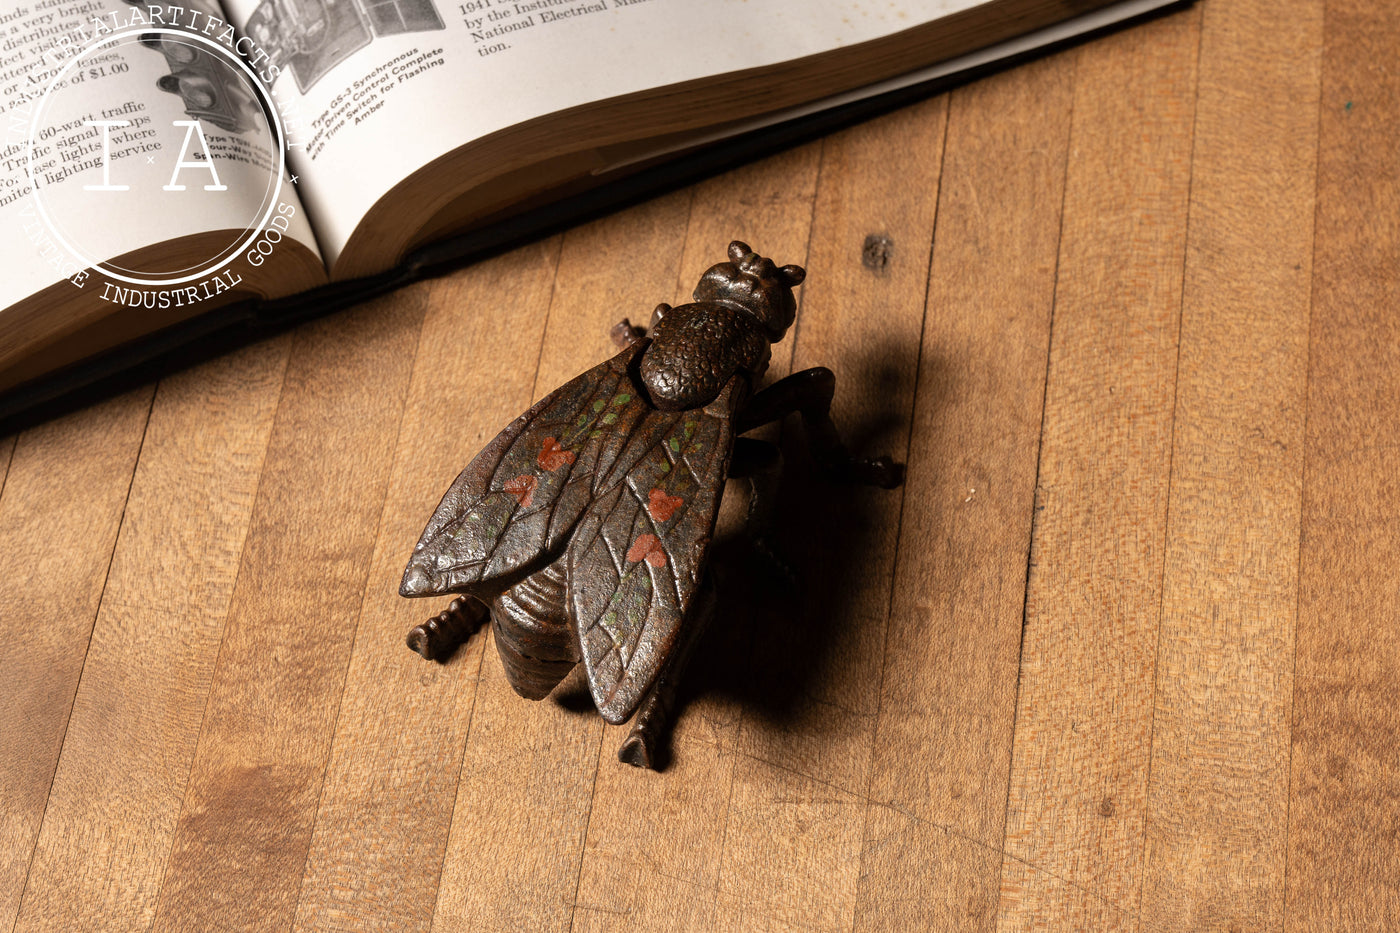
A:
(662, 507)
(647, 548)
(523, 488)
(552, 457)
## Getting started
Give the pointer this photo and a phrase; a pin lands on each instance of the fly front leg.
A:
(809, 393)
(651, 728)
(438, 637)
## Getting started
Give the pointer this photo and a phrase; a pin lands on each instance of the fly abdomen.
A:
(532, 633)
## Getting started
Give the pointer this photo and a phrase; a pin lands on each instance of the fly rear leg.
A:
(651, 728)
(438, 637)
(809, 393)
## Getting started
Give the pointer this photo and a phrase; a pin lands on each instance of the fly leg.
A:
(809, 392)
(761, 464)
(652, 726)
(624, 333)
(438, 637)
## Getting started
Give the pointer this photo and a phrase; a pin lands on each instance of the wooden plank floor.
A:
(1122, 654)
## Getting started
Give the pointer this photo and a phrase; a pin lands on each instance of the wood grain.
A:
(64, 495)
(1144, 555)
(1218, 786)
(523, 801)
(392, 778)
(1075, 812)
(115, 800)
(246, 823)
(1343, 857)
(943, 739)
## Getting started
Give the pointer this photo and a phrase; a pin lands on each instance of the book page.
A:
(123, 129)
(386, 86)
(1047, 36)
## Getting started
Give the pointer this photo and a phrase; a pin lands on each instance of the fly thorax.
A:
(695, 349)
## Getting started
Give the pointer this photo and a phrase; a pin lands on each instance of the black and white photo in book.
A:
(313, 36)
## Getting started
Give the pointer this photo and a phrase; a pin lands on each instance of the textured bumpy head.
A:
(755, 284)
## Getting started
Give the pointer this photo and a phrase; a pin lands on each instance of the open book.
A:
(163, 161)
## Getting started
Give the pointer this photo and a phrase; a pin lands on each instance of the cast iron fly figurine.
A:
(581, 531)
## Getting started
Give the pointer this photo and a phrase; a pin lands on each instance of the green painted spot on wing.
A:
(598, 405)
(610, 417)
(622, 399)
(675, 445)
(627, 611)
(665, 466)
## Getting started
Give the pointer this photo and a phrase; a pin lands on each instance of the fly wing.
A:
(636, 557)
(517, 501)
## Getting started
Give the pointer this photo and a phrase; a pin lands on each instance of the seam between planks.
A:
(77, 686)
(587, 824)
(807, 256)
(1303, 482)
(797, 336)
(797, 332)
(680, 270)
(10, 458)
(899, 523)
(1171, 468)
(1035, 496)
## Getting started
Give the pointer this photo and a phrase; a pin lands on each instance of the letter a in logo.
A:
(191, 128)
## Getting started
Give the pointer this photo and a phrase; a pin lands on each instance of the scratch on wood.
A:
(950, 831)
(602, 910)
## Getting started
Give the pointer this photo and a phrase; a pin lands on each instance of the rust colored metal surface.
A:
(582, 531)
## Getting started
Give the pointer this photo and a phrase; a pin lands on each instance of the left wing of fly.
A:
(517, 501)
